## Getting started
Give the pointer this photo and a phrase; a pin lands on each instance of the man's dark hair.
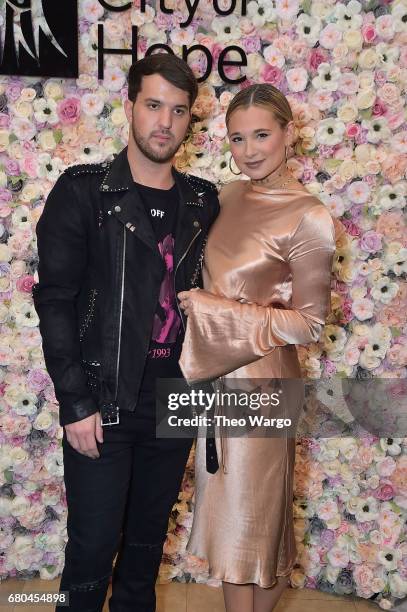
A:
(170, 67)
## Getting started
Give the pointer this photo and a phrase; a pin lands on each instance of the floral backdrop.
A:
(343, 67)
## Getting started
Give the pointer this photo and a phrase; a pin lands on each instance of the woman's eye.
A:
(179, 111)
(236, 139)
(262, 135)
(153, 105)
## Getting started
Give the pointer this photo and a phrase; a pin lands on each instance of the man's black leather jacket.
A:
(100, 273)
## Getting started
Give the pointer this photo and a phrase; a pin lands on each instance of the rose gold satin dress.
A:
(268, 257)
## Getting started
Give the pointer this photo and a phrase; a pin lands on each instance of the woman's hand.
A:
(189, 299)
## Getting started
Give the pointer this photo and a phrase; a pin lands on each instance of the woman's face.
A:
(257, 142)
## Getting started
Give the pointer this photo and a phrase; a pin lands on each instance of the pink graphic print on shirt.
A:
(167, 321)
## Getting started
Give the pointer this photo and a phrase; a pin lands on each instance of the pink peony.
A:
(69, 110)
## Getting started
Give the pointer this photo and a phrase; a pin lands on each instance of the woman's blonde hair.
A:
(264, 95)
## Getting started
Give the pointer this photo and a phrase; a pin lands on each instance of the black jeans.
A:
(120, 502)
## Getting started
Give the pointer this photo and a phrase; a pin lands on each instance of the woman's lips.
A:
(254, 165)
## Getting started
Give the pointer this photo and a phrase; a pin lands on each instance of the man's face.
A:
(159, 118)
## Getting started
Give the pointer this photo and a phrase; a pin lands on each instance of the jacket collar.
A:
(119, 178)
(130, 211)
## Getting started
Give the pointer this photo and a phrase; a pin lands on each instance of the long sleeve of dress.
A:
(223, 334)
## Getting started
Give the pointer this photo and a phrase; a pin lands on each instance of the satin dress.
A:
(268, 261)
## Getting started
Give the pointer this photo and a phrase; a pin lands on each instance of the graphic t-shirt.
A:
(167, 331)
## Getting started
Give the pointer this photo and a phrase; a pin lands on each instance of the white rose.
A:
(18, 455)
(30, 192)
(5, 253)
(366, 79)
(367, 59)
(347, 170)
(28, 94)
(53, 90)
(353, 39)
(347, 112)
(23, 109)
(19, 506)
(118, 116)
(43, 421)
(365, 98)
(46, 140)
(4, 140)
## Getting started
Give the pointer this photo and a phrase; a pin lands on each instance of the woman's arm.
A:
(223, 335)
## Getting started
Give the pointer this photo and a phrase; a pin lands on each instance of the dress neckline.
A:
(270, 190)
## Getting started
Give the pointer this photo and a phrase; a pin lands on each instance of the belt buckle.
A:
(109, 415)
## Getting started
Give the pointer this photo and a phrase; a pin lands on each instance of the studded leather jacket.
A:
(100, 273)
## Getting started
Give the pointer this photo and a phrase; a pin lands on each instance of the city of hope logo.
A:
(39, 38)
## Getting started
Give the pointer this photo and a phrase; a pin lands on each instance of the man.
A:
(117, 241)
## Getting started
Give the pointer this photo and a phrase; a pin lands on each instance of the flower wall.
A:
(343, 67)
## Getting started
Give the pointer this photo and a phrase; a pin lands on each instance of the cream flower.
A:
(53, 90)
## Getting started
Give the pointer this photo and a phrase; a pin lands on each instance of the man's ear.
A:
(128, 109)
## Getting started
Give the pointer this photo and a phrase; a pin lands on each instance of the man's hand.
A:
(82, 435)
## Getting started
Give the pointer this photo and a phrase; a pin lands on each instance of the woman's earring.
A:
(230, 167)
(286, 154)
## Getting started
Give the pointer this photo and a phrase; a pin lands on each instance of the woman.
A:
(266, 278)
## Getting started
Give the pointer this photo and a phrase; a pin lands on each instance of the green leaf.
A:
(8, 475)
(57, 136)
(366, 113)
(395, 332)
(395, 507)
(306, 6)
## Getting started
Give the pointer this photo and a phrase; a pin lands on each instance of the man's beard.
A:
(151, 154)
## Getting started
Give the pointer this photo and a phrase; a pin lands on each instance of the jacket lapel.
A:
(125, 203)
(189, 218)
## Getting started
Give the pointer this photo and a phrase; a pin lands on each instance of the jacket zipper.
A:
(121, 312)
(175, 274)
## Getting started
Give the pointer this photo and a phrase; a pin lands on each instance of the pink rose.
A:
(403, 57)
(371, 242)
(30, 166)
(37, 380)
(271, 74)
(394, 167)
(378, 108)
(251, 44)
(216, 51)
(369, 33)
(394, 120)
(385, 492)
(4, 120)
(69, 110)
(316, 57)
(25, 283)
(352, 130)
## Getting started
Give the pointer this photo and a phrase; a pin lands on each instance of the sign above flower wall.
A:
(39, 38)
